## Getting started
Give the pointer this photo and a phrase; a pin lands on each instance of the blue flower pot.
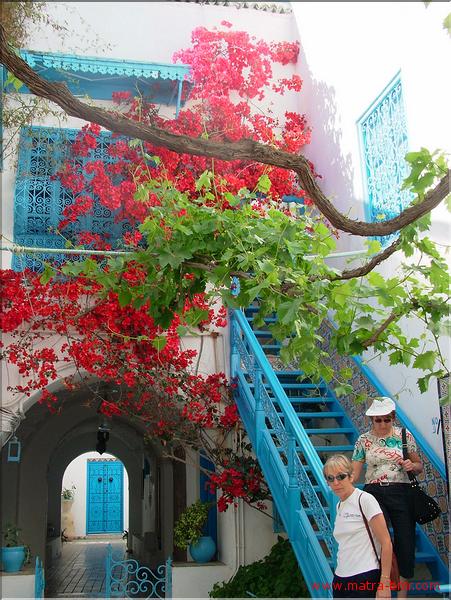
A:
(203, 550)
(13, 558)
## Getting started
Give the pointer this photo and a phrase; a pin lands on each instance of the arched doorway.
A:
(94, 496)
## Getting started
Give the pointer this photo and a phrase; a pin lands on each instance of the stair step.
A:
(297, 386)
(293, 376)
(266, 319)
(305, 399)
(304, 386)
(253, 309)
(310, 399)
(337, 448)
(263, 333)
(424, 557)
(331, 448)
(322, 415)
(314, 415)
(336, 431)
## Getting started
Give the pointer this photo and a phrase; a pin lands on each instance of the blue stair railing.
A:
(292, 468)
(294, 425)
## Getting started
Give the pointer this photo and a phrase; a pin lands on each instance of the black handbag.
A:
(425, 508)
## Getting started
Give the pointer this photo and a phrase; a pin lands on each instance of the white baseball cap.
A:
(381, 406)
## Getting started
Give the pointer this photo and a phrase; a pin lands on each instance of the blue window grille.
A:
(384, 143)
(40, 198)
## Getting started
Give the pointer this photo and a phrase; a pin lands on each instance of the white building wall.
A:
(349, 53)
(76, 474)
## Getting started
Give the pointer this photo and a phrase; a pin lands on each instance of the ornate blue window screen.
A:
(40, 199)
(384, 143)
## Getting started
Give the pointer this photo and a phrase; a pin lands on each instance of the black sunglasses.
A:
(339, 477)
(385, 420)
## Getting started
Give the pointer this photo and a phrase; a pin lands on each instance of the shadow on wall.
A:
(318, 101)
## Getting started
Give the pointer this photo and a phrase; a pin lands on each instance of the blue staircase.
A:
(294, 425)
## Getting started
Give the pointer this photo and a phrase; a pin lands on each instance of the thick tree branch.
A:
(382, 327)
(351, 273)
(243, 150)
(370, 265)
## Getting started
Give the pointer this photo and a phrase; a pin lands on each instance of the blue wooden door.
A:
(105, 497)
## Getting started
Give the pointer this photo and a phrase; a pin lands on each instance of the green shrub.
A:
(188, 528)
(276, 576)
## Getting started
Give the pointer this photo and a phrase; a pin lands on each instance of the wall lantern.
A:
(103, 435)
(14, 448)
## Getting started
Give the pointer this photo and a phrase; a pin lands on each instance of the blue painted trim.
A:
(99, 77)
(179, 98)
(122, 498)
(104, 67)
(380, 97)
(87, 497)
(211, 526)
(404, 419)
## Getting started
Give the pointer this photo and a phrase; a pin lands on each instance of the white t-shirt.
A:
(355, 551)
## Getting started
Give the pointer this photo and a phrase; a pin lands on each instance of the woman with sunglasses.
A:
(387, 480)
(360, 573)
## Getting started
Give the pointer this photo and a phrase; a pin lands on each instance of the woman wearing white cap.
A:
(387, 480)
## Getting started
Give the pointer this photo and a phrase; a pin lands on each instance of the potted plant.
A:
(188, 532)
(67, 519)
(68, 493)
(13, 551)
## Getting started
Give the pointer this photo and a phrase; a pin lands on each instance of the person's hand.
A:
(408, 465)
(384, 590)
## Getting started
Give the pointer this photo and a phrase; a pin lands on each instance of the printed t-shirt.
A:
(355, 552)
(383, 456)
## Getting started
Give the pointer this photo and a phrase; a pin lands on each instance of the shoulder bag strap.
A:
(369, 532)
(410, 475)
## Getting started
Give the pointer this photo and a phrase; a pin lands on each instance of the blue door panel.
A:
(104, 504)
(206, 495)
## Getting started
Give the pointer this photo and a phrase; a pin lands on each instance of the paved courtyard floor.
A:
(80, 571)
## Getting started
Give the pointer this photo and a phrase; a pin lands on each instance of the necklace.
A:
(382, 441)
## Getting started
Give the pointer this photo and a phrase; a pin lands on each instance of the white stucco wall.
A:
(349, 53)
(76, 474)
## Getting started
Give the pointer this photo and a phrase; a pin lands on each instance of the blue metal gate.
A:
(39, 580)
(105, 496)
(127, 579)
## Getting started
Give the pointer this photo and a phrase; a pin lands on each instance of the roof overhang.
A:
(98, 77)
